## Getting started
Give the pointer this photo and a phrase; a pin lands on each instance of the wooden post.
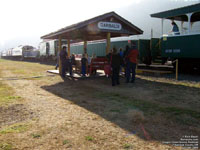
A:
(68, 47)
(85, 47)
(108, 43)
(138, 47)
(177, 69)
(151, 44)
(159, 44)
(59, 49)
(162, 25)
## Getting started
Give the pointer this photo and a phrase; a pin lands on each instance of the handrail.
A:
(177, 35)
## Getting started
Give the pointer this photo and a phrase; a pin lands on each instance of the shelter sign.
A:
(109, 26)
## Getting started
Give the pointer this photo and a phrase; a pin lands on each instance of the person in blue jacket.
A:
(175, 28)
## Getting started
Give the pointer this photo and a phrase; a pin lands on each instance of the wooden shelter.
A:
(101, 27)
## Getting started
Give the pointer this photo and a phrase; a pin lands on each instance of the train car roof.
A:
(180, 13)
(88, 29)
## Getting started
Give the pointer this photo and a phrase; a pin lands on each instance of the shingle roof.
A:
(81, 28)
(180, 13)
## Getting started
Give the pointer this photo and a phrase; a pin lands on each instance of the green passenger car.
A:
(181, 46)
(99, 48)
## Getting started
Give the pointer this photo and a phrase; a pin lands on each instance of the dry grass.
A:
(171, 81)
(15, 128)
(7, 95)
(24, 69)
(5, 146)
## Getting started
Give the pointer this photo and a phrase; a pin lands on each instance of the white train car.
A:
(3, 53)
(17, 52)
(31, 53)
(49, 48)
(9, 52)
(20, 52)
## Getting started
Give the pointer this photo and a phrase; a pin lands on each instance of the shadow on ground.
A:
(165, 117)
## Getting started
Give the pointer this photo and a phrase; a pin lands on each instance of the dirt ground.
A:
(90, 114)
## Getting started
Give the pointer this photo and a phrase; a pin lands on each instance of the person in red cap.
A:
(131, 63)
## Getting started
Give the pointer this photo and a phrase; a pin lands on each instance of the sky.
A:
(25, 21)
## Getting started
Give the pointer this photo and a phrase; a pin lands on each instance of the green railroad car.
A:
(182, 45)
(98, 48)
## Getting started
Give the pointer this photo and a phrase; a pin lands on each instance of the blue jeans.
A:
(64, 65)
(69, 68)
(57, 65)
(130, 69)
(83, 70)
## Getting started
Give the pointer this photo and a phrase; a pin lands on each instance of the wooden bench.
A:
(97, 64)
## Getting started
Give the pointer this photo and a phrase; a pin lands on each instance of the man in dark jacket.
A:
(63, 58)
(116, 61)
(108, 56)
(83, 65)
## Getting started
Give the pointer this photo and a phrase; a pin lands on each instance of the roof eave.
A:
(177, 12)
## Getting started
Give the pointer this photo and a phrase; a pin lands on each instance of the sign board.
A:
(165, 38)
(172, 51)
(109, 26)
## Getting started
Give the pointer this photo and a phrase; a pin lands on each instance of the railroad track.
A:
(156, 67)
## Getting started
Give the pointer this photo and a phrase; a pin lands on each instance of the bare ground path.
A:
(90, 115)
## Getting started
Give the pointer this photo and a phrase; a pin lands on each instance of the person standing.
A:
(69, 65)
(58, 56)
(73, 62)
(125, 59)
(108, 56)
(83, 65)
(121, 53)
(175, 28)
(63, 57)
(116, 61)
(131, 63)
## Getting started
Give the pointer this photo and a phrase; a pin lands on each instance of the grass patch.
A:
(89, 138)
(7, 95)
(5, 146)
(36, 135)
(13, 97)
(27, 73)
(16, 128)
(26, 69)
(185, 119)
(171, 82)
(20, 71)
(114, 110)
(65, 142)
(147, 107)
(127, 146)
